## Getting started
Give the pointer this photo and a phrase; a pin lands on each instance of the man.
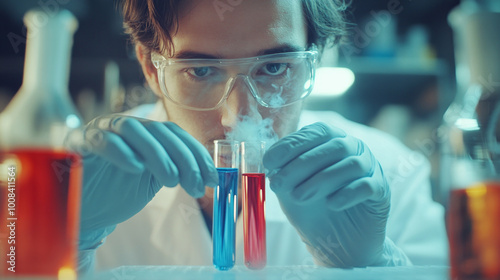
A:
(215, 65)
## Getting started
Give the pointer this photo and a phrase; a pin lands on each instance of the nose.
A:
(240, 103)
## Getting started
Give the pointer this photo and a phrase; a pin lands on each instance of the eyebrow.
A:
(281, 49)
(199, 55)
(192, 54)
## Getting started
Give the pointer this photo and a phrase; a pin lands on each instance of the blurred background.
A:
(397, 65)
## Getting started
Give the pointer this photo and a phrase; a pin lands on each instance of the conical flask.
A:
(40, 178)
(471, 150)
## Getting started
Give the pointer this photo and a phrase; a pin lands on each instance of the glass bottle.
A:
(40, 177)
(471, 150)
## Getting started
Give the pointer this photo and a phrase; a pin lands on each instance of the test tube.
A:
(226, 158)
(253, 187)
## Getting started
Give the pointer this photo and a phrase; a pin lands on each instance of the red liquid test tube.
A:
(254, 222)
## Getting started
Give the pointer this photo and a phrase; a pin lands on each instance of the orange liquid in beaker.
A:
(45, 212)
(473, 222)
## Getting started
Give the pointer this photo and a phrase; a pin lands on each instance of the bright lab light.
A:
(72, 121)
(467, 124)
(332, 81)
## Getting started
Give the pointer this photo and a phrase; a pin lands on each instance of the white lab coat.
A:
(171, 230)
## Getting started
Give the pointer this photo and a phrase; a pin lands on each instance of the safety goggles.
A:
(274, 80)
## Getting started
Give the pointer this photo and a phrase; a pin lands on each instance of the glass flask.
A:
(40, 176)
(471, 150)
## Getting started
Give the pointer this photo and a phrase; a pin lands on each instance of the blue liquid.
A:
(224, 218)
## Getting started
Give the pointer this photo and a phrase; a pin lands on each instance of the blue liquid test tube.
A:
(226, 158)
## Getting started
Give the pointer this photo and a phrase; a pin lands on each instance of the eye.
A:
(274, 69)
(199, 72)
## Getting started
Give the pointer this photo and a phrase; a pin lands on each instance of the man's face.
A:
(236, 29)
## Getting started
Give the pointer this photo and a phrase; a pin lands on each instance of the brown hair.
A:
(153, 22)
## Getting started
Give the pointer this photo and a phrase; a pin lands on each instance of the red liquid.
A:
(474, 232)
(254, 222)
(47, 208)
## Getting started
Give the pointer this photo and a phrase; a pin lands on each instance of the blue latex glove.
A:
(333, 191)
(130, 160)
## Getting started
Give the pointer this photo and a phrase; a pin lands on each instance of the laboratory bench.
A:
(273, 273)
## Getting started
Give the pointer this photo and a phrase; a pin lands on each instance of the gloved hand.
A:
(130, 160)
(334, 193)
